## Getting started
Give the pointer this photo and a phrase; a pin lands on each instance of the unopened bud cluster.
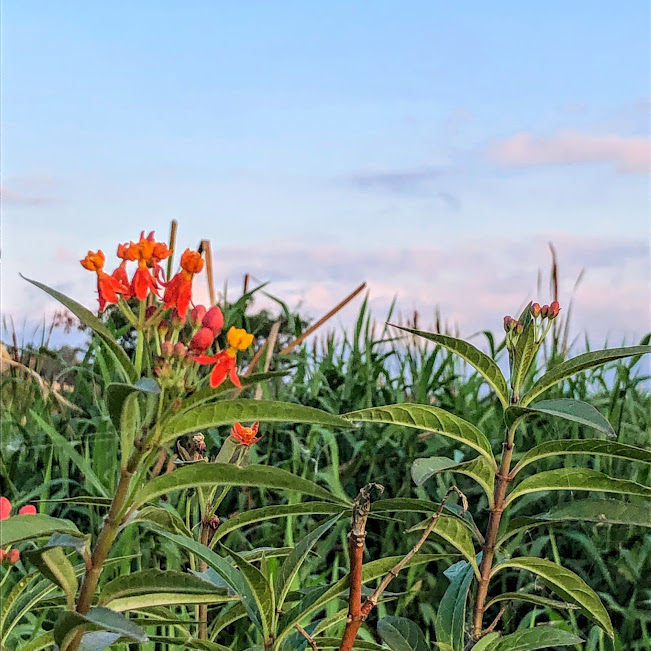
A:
(514, 328)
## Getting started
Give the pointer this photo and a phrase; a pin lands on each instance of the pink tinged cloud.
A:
(16, 198)
(629, 154)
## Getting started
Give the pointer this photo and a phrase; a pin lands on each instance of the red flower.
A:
(179, 289)
(245, 435)
(5, 508)
(28, 509)
(108, 287)
(225, 365)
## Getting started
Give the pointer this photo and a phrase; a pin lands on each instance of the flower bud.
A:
(554, 309)
(196, 315)
(507, 323)
(177, 320)
(518, 327)
(167, 349)
(180, 351)
(214, 522)
(202, 340)
(199, 442)
(177, 404)
(535, 310)
(163, 327)
(214, 319)
(544, 311)
(13, 556)
(28, 509)
(150, 311)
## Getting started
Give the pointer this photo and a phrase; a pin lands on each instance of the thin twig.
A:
(495, 622)
(306, 635)
(205, 245)
(321, 321)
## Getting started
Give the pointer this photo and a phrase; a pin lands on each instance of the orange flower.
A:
(142, 282)
(226, 361)
(108, 287)
(179, 290)
(245, 435)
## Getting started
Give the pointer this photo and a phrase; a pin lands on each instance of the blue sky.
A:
(432, 149)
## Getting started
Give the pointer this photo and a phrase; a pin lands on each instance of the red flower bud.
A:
(177, 320)
(214, 522)
(214, 320)
(196, 315)
(167, 349)
(507, 323)
(28, 509)
(518, 327)
(180, 351)
(163, 327)
(150, 311)
(13, 556)
(544, 311)
(554, 309)
(202, 340)
(535, 309)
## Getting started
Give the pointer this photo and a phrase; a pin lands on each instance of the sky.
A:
(430, 149)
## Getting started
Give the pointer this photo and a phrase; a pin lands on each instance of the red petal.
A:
(218, 375)
(5, 508)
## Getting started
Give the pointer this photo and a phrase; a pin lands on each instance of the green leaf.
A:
(479, 469)
(480, 361)
(317, 599)
(97, 619)
(293, 562)
(270, 512)
(160, 517)
(160, 588)
(451, 615)
(401, 634)
(209, 393)
(54, 565)
(545, 602)
(231, 576)
(222, 474)
(428, 418)
(566, 584)
(592, 447)
(582, 479)
(98, 640)
(118, 392)
(573, 410)
(540, 637)
(89, 319)
(187, 643)
(452, 530)
(590, 510)
(487, 643)
(44, 641)
(29, 527)
(232, 411)
(262, 592)
(580, 363)
(523, 355)
(63, 444)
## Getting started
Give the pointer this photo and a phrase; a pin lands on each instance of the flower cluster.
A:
(246, 436)
(514, 328)
(149, 276)
(13, 555)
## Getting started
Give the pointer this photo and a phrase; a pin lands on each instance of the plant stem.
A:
(202, 633)
(488, 547)
(141, 337)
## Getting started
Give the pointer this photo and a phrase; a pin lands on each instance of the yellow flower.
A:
(239, 339)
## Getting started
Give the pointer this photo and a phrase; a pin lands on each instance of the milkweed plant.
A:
(183, 378)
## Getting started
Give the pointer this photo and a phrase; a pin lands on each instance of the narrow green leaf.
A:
(160, 517)
(401, 634)
(30, 527)
(45, 641)
(428, 418)
(540, 637)
(566, 584)
(487, 643)
(221, 474)
(479, 469)
(293, 562)
(484, 365)
(591, 447)
(232, 411)
(97, 619)
(590, 510)
(54, 565)
(63, 444)
(582, 479)
(523, 355)
(270, 512)
(89, 319)
(452, 530)
(451, 615)
(545, 602)
(262, 592)
(580, 363)
(573, 410)
(159, 588)
(187, 643)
